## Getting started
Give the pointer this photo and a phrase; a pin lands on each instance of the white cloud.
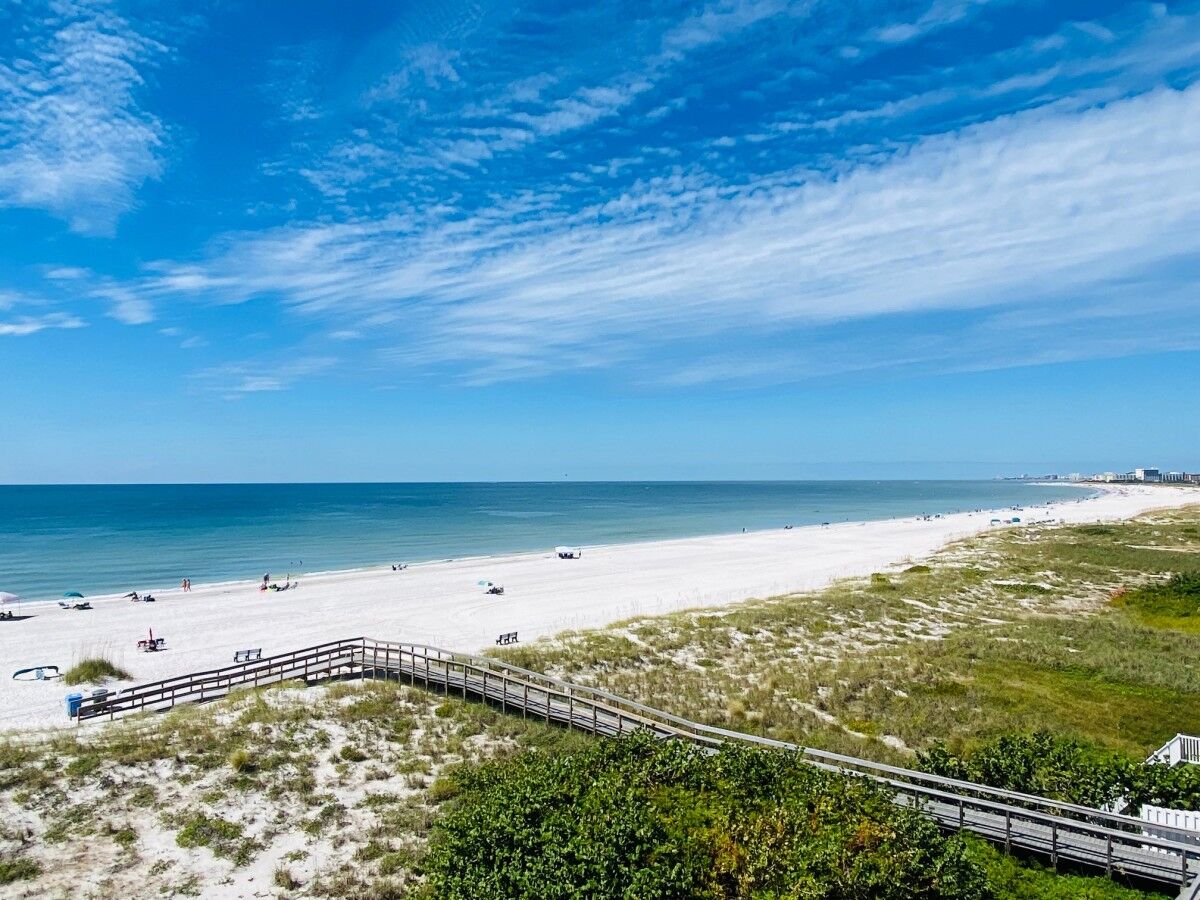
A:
(992, 215)
(237, 379)
(67, 273)
(26, 325)
(73, 140)
(937, 15)
(125, 305)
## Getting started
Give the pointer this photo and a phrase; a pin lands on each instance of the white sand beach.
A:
(442, 603)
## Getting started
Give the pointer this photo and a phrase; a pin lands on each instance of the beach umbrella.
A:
(74, 594)
(6, 597)
(484, 583)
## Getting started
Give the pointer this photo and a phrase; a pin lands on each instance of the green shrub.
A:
(95, 670)
(221, 836)
(1025, 879)
(19, 869)
(399, 861)
(350, 753)
(637, 817)
(1063, 768)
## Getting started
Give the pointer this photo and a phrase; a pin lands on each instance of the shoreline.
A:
(1096, 490)
(249, 534)
(442, 603)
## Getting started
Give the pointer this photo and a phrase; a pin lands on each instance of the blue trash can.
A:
(73, 703)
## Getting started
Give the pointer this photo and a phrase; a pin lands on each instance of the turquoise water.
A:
(109, 538)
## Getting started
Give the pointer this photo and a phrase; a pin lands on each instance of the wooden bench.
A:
(509, 637)
(247, 655)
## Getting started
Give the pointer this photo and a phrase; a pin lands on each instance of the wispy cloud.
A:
(708, 195)
(74, 140)
(992, 215)
(22, 326)
(238, 379)
(126, 305)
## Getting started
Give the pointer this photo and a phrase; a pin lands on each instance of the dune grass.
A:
(1174, 603)
(337, 786)
(94, 670)
(1011, 631)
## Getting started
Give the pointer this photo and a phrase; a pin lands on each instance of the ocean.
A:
(113, 538)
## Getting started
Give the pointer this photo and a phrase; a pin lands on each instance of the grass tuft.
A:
(95, 670)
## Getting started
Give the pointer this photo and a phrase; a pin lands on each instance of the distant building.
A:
(1151, 475)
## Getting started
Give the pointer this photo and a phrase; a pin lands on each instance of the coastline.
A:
(442, 602)
(110, 539)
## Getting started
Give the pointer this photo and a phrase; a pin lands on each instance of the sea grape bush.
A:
(640, 818)
(1065, 769)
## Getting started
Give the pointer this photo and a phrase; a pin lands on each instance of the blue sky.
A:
(300, 241)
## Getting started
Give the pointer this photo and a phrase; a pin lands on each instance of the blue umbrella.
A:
(73, 594)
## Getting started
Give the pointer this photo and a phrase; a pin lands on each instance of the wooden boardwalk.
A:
(1060, 832)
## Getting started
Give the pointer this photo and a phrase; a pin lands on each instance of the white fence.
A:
(1183, 748)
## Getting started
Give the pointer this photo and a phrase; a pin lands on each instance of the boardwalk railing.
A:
(1060, 831)
(1183, 748)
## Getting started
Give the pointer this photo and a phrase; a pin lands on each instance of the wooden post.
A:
(1054, 844)
(961, 813)
(1108, 855)
(525, 704)
(1007, 831)
(595, 724)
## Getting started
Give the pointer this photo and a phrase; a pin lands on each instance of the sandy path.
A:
(441, 603)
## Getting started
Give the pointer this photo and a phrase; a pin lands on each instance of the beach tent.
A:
(7, 599)
(569, 552)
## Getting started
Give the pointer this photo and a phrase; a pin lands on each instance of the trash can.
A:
(73, 703)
